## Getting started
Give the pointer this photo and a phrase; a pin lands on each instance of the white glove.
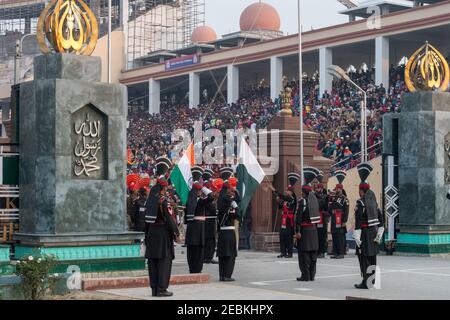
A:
(379, 235)
(357, 237)
(234, 205)
(206, 191)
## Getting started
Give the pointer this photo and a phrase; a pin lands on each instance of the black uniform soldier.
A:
(288, 205)
(368, 226)
(339, 216)
(195, 216)
(228, 211)
(139, 209)
(161, 231)
(307, 218)
(322, 226)
(211, 221)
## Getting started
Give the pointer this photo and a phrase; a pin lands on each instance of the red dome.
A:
(260, 16)
(203, 34)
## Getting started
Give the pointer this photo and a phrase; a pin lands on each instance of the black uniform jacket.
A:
(226, 243)
(309, 240)
(368, 234)
(339, 207)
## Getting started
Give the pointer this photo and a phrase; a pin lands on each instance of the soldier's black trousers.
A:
(307, 261)
(226, 266)
(195, 258)
(339, 243)
(322, 234)
(286, 242)
(210, 248)
(159, 271)
(364, 263)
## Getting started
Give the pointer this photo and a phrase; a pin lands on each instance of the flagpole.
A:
(300, 67)
(109, 40)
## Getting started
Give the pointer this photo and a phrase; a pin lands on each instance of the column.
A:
(124, 14)
(154, 96)
(382, 61)
(325, 61)
(233, 84)
(194, 90)
(276, 77)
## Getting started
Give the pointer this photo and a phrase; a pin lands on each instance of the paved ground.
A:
(261, 276)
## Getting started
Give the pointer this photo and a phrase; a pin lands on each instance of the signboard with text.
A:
(182, 62)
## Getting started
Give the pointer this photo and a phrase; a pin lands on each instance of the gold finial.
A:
(286, 95)
(69, 27)
(427, 70)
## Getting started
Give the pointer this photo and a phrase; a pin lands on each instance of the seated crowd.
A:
(335, 116)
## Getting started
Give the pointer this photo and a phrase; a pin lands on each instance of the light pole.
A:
(18, 57)
(109, 40)
(338, 72)
(300, 87)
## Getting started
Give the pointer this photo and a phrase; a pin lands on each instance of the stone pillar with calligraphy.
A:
(73, 166)
(419, 137)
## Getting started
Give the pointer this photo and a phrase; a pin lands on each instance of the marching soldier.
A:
(288, 203)
(211, 220)
(228, 213)
(322, 226)
(308, 217)
(161, 231)
(368, 226)
(339, 207)
(195, 215)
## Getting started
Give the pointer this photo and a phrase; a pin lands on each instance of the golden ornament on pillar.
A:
(67, 26)
(286, 95)
(427, 70)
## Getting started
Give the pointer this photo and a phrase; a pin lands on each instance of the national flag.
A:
(181, 176)
(249, 174)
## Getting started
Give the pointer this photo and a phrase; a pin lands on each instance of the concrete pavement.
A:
(261, 276)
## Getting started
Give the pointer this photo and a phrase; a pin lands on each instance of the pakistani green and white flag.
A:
(249, 174)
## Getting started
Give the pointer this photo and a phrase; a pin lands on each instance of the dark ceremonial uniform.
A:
(308, 245)
(138, 217)
(161, 231)
(368, 226)
(339, 216)
(210, 231)
(226, 244)
(195, 233)
(211, 222)
(288, 206)
(322, 226)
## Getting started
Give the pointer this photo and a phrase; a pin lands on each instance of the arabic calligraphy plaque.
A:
(447, 158)
(89, 144)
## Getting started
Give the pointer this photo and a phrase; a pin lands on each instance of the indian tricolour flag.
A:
(249, 174)
(181, 176)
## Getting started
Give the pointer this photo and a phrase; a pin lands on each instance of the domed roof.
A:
(260, 16)
(203, 34)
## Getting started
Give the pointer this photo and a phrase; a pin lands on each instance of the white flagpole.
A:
(109, 40)
(300, 67)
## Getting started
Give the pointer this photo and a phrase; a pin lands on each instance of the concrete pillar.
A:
(233, 84)
(194, 90)
(276, 77)
(325, 60)
(154, 96)
(124, 14)
(382, 61)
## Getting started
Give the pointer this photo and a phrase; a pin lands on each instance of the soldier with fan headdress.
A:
(288, 204)
(369, 226)
(211, 219)
(228, 211)
(199, 197)
(322, 226)
(161, 231)
(308, 216)
(339, 207)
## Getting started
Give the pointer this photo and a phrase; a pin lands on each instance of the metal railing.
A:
(373, 152)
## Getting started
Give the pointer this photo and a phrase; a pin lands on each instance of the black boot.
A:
(228, 279)
(302, 279)
(362, 285)
(154, 292)
(165, 293)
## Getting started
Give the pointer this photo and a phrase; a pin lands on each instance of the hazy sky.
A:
(223, 15)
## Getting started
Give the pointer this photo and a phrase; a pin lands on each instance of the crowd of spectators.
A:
(334, 115)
